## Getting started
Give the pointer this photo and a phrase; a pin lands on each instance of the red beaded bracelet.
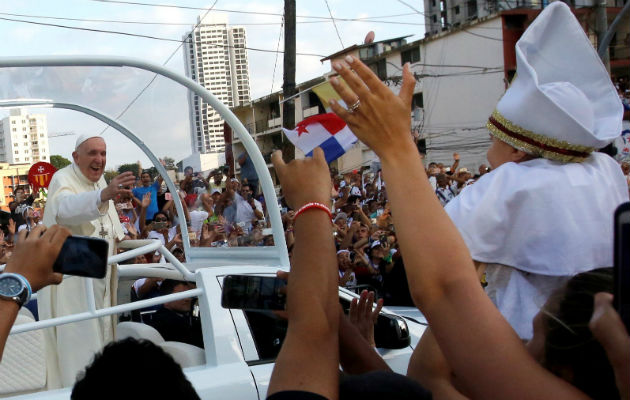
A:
(309, 206)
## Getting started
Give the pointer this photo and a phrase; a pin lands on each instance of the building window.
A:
(15, 145)
(16, 152)
(434, 19)
(17, 160)
(410, 56)
(25, 136)
(14, 129)
(456, 10)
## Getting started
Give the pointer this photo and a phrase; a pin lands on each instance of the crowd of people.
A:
(539, 228)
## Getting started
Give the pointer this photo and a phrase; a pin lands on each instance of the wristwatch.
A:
(15, 287)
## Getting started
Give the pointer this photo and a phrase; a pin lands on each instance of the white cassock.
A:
(536, 224)
(74, 202)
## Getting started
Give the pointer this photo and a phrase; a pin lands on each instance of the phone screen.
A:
(168, 196)
(621, 293)
(253, 292)
(83, 256)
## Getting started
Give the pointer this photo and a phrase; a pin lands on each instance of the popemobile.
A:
(240, 346)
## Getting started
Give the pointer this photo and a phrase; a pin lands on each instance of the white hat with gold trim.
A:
(561, 104)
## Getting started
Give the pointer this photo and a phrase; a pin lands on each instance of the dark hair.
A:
(140, 370)
(569, 343)
(168, 285)
(18, 188)
(146, 171)
(160, 213)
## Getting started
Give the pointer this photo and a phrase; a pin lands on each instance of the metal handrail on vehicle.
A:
(138, 247)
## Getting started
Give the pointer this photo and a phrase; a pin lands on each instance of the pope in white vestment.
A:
(80, 199)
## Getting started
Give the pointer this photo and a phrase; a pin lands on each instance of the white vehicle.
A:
(239, 346)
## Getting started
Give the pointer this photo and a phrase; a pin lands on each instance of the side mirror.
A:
(391, 332)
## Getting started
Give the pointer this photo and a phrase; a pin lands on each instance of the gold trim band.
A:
(535, 144)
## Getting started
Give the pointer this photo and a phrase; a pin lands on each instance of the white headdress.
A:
(561, 104)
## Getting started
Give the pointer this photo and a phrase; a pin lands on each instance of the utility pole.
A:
(601, 26)
(288, 76)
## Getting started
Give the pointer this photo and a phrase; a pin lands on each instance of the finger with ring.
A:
(120, 186)
(354, 106)
(345, 93)
(352, 80)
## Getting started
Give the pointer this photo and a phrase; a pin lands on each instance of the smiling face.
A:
(90, 157)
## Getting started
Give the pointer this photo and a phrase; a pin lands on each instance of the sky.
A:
(159, 116)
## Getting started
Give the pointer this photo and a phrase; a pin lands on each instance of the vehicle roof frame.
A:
(272, 255)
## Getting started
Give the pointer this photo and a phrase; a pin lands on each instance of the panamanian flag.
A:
(327, 131)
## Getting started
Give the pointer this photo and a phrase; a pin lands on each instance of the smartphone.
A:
(83, 256)
(250, 292)
(621, 292)
(168, 196)
(157, 226)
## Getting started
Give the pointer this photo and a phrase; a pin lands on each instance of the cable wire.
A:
(334, 24)
(275, 64)
(165, 62)
(147, 36)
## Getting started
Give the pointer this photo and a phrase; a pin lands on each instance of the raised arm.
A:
(439, 268)
(309, 358)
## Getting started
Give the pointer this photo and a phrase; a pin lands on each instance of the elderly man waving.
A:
(79, 199)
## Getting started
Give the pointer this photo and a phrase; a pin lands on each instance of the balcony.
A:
(274, 122)
(307, 112)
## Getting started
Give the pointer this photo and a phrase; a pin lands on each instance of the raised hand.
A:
(117, 186)
(363, 317)
(146, 200)
(11, 227)
(380, 118)
(304, 181)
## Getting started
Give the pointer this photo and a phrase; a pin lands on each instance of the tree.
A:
(169, 163)
(59, 161)
(109, 175)
(133, 167)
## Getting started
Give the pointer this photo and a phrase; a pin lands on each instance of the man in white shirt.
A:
(79, 199)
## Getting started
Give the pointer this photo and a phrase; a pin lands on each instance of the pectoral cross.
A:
(103, 232)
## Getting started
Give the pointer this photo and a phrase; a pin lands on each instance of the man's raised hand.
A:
(118, 185)
(304, 181)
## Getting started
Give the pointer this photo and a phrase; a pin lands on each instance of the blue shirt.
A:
(139, 192)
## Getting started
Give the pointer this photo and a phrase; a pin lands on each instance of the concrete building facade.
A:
(24, 138)
(215, 56)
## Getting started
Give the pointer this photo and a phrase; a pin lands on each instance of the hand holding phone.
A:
(168, 196)
(83, 256)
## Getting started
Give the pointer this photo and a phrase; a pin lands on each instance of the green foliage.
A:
(133, 167)
(59, 161)
(169, 163)
(109, 175)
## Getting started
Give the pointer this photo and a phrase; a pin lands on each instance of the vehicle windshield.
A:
(215, 178)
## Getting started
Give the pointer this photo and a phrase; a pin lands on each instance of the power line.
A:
(136, 3)
(156, 75)
(334, 24)
(128, 22)
(146, 36)
(275, 63)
